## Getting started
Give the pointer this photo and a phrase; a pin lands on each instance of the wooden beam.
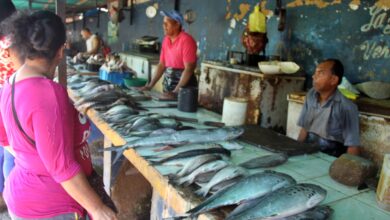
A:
(61, 11)
(177, 5)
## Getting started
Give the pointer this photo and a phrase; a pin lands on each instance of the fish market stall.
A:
(374, 122)
(306, 169)
(265, 92)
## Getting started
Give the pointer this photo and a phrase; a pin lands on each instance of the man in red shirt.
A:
(177, 58)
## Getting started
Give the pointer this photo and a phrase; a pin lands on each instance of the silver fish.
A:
(224, 174)
(251, 187)
(231, 145)
(183, 137)
(205, 168)
(184, 148)
(281, 203)
(215, 150)
(196, 162)
(265, 161)
(118, 109)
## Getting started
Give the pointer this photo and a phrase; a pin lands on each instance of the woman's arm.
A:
(80, 190)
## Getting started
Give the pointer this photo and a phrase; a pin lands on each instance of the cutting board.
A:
(275, 142)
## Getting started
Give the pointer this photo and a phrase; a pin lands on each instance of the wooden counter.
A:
(347, 202)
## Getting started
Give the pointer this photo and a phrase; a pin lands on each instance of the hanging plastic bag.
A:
(257, 21)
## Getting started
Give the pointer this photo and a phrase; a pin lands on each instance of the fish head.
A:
(235, 132)
(314, 193)
(282, 180)
(314, 200)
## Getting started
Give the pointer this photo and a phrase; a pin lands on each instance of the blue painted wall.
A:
(313, 32)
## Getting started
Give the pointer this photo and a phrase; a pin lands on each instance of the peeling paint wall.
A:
(357, 32)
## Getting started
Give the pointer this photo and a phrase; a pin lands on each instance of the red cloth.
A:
(179, 52)
(6, 67)
(44, 110)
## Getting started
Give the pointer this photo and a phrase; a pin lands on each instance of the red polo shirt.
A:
(182, 50)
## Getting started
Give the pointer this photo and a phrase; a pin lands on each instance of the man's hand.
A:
(169, 95)
(353, 150)
(145, 88)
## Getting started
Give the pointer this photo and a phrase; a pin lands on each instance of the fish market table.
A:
(347, 202)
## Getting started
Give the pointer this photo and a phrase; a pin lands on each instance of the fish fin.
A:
(179, 217)
(155, 163)
(245, 205)
(117, 157)
(162, 131)
(109, 149)
(204, 206)
(199, 192)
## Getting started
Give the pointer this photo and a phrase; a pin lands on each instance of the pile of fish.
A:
(266, 195)
(101, 95)
(171, 137)
(201, 158)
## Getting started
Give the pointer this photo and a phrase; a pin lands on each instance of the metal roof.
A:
(71, 5)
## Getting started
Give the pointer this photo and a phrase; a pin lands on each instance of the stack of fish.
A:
(99, 94)
(203, 158)
(171, 137)
(267, 195)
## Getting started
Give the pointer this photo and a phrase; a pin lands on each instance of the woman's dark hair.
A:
(337, 68)
(35, 35)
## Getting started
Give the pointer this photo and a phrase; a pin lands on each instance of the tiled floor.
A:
(4, 216)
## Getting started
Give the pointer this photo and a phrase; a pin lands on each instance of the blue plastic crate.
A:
(113, 77)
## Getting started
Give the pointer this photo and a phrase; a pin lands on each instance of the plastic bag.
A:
(257, 21)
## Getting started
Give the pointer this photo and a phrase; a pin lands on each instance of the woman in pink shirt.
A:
(46, 132)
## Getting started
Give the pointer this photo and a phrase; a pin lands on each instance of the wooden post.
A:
(107, 163)
(60, 11)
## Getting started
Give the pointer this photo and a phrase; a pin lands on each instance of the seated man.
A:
(328, 119)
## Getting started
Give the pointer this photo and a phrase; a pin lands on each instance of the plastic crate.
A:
(113, 77)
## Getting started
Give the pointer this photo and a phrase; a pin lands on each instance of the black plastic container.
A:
(188, 99)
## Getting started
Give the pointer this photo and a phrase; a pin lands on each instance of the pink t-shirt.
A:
(44, 110)
(175, 54)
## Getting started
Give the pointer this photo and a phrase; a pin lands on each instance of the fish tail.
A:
(155, 163)
(117, 156)
(198, 209)
(111, 149)
(199, 192)
(178, 217)
(182, 180)
(202, 191)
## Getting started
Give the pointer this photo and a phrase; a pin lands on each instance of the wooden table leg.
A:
(107, 163)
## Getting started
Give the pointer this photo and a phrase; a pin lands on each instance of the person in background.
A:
(47, 134)
(177, 58)
(92, 43)
(7, 68)
(328, 119)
